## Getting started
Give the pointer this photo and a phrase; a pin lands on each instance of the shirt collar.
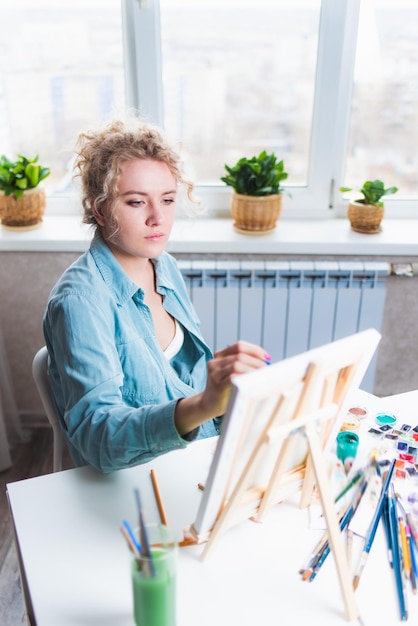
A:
(112, 272)
(116, 278)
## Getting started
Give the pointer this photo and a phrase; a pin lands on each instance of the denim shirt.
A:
(114, 388)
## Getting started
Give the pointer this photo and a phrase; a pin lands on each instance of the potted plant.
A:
(256, 201)
(22, 201)
(366, 214)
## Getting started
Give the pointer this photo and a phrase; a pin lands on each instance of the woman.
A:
(131, 374)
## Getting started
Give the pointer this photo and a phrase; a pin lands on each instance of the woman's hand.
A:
(239, 358)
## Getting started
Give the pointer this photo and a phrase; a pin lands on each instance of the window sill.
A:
(217, 236)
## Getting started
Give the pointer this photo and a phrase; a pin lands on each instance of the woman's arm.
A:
(110, 390)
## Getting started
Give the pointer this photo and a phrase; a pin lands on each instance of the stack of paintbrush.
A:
(400, 529)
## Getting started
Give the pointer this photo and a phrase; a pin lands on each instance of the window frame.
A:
(319, 198)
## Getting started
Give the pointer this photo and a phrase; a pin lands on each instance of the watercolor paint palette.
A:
(402, 440)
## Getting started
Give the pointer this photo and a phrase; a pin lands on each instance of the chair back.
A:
(42, 382)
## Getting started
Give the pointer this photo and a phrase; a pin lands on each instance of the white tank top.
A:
(176, 343)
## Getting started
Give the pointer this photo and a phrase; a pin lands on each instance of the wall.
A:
(27, 278)
(25, 281)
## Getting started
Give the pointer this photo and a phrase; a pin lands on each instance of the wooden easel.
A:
(309, 405)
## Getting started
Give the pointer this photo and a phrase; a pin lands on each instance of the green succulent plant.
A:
(258, 176)
(373, 191)
(18, 176)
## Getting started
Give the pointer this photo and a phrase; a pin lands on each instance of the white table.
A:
(76, 563)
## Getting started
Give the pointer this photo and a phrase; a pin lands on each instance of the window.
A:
(235, 82)
(383, 133)
(330, 86)
(61, 70)
(235, 77)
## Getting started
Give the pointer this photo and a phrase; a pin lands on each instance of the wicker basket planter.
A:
(365, 218)
(25, 212)
(255, 215)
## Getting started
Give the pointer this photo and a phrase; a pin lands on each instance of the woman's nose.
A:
(155, 215)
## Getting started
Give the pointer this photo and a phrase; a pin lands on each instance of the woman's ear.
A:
(98, 214)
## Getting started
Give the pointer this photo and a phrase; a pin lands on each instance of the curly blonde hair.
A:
(101, 153)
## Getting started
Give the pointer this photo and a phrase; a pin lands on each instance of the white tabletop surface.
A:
(77, 564)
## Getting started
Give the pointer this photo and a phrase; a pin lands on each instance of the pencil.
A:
(414, 569)
(132, 546)
(394, 534)
(353, 481)
(385, 517)
(130, 533)
(157, 493)
(318, 551)
(307, 571)
(410, 522)
(323, 545)
(413, 529)
(373, 525)
(404, 547)
(345, 520)
(146, 549)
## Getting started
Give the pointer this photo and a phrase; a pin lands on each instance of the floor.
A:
(33, 457)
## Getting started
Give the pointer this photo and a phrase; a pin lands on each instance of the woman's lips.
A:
(155, 237)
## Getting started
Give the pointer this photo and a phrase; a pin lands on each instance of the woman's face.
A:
(145, 210)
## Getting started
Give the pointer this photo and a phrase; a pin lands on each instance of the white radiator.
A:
(287, 307)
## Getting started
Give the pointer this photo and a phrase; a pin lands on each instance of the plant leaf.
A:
(32, 173)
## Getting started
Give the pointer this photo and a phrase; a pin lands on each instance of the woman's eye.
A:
(168, 200)
(135, 203)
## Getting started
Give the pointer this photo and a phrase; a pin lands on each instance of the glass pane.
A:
(61, 70)
(384, 121)
(239, 78)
